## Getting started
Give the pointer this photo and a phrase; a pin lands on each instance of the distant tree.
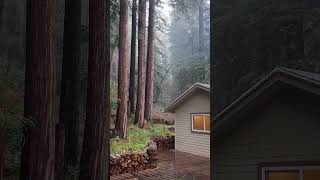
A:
(189, 39)
(133, 58)
(95, 157)
(150, 63)
(139, 114)
(40, 92)
(201, 25)
(121, 119)
(70, 84)
(246, 48)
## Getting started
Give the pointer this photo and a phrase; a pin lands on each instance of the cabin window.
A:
(291, 173)
(201, 123)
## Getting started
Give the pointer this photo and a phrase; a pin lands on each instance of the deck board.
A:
(173, 165)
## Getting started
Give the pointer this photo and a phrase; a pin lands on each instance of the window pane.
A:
(207, 122)
(198, 122)
(283, 176)
(311, 174)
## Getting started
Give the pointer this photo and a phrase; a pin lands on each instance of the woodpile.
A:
(152, 152)
(127, 163)
(163, 118)
(148, 159)
(132, 162)
(164, 142)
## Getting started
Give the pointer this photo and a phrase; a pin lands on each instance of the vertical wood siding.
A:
(187, 141)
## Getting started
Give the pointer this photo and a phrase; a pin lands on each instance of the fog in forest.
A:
(181, 58)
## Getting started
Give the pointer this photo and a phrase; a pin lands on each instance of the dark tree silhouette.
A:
(70, 92)
(59, 151)
(133, 58)
(139, 114)
(40, 91)
(95, 158)
(150, 63)
(2, 151)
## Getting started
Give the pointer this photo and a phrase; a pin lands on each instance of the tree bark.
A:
(150, 63)
(121, 119)
(3, 144)
(59, 158)
(201, 26)
(139, 115)
(70, 84)
(133, 58)
(38, 151)
(94, 160)
(1, 166)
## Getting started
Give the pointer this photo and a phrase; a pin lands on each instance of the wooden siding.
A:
(283, 131)
(186, 140)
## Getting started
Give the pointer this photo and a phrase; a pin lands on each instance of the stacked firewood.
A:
(164, 142)
(132, 162)
(152, 152)
(127, 163)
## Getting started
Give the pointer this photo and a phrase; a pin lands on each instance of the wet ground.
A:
(173, 165)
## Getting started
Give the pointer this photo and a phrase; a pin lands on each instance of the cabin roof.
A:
(180, 99)
(307, 81)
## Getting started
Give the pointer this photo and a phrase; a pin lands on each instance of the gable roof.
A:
(307, 81)
(197, 86)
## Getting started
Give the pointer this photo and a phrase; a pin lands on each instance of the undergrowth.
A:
(138, 138)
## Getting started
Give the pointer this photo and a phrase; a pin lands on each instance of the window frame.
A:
(204, 131)
(264, 170)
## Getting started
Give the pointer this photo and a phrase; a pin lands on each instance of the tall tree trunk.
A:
(59, 156)
(94, 160)
(139, 115)
(70, 84)
(40, 92)
(201, 26)
(121, 119)
(3, 144)
(150, 63)
(133, 58)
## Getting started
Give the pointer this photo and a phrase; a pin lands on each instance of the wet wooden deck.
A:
(173, 165)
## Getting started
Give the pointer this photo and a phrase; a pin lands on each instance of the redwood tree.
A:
(150, 63)
(201, 26)
(139, 114)
(70, 92)
(121, 119)
(133, 58)
(94, 158)
(38, 151)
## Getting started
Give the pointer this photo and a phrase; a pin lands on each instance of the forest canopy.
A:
(251, 37)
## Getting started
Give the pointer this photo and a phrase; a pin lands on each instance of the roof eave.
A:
(220, 118)
(184, 95)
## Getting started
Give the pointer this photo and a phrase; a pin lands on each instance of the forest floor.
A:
(138, 138)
